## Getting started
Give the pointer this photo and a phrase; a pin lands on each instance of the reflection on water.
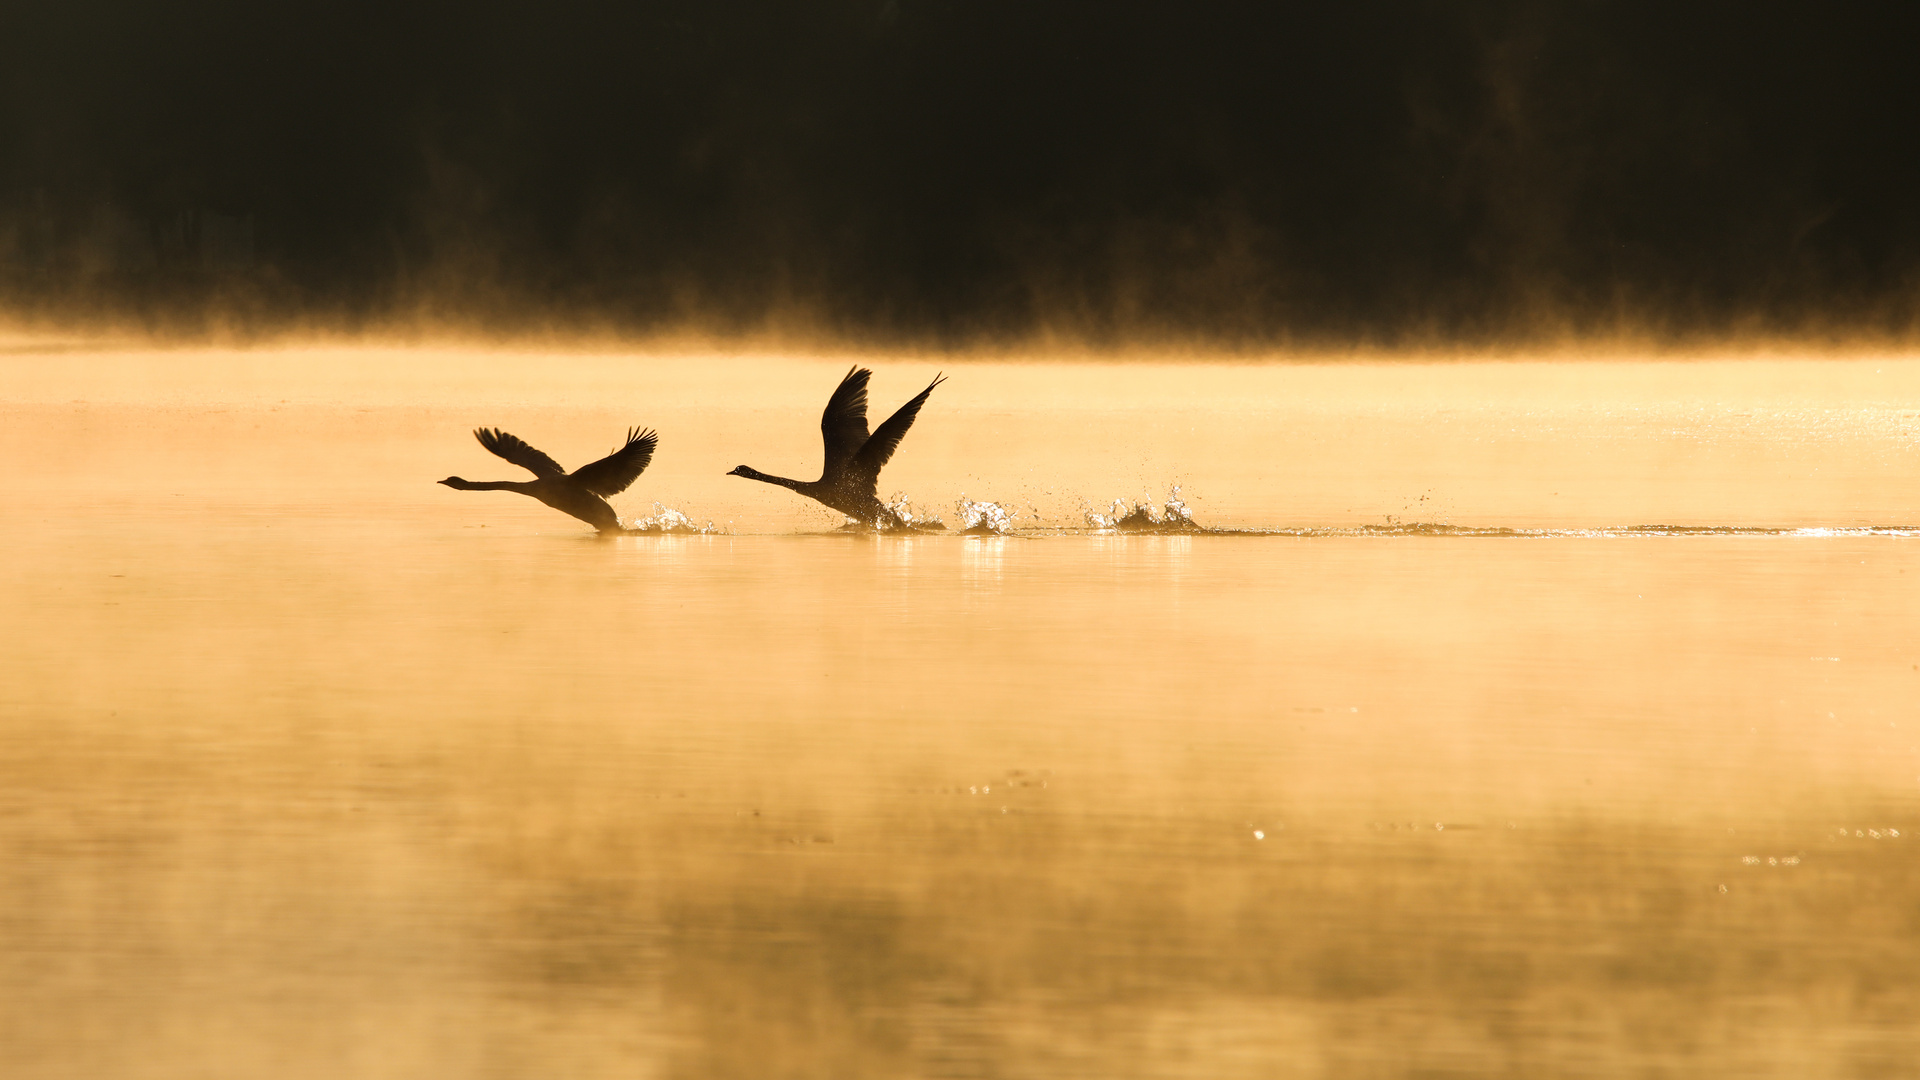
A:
(310, 771)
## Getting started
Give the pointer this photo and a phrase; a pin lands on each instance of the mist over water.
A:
(1513, 718)
(1397, 713)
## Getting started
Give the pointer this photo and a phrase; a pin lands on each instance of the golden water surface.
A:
(1519, 719)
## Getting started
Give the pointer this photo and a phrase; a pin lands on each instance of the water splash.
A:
(666, 519)
(1179, 512)
(984, 518)
(1174, 516)
(909, 517)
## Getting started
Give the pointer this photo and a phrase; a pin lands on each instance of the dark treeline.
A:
(969, 171)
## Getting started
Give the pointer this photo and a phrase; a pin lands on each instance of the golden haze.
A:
(312, 767)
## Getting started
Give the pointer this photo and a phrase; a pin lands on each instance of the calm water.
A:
(1524, 719)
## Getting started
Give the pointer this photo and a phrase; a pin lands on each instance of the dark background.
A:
(966, 172)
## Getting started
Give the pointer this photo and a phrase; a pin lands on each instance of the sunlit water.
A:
(1505, 719)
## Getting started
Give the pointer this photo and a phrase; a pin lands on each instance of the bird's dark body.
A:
(571, 498)
(564, 497)
(849, 499)
(579, 493)
(850, 475)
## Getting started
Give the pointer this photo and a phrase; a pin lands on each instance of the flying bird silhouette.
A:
(849, 478)
(581, 493)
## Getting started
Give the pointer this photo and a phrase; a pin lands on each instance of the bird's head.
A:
(742, 470)
(451, 481)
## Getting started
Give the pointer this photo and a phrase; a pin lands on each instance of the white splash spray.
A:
(984, 517)
(666, 519)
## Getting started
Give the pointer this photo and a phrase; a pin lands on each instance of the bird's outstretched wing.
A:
(886, 439)
(611, 474)
(844, 425)
(511, 448)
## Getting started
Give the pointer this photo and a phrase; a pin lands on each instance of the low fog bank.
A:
(952, 175)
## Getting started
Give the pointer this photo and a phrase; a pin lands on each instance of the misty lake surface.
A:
(1504, 718)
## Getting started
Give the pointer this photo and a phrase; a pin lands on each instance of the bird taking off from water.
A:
(582, 492)
(851, 474)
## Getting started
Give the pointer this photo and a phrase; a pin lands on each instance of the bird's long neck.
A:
(769, 478)
(487, 485)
